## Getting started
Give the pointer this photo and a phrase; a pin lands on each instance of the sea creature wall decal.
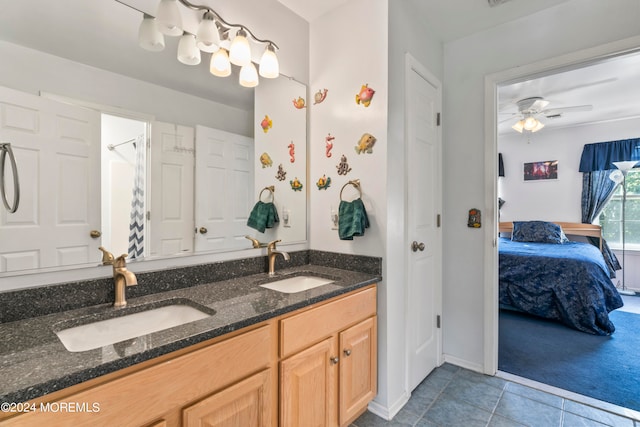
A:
(265, 160)
(365, 145)
(292, 152)
(343, 166)
(329, 144)
(320, 96)
(296, 185)
(281, 175)
(323, 182)
(365, 95)
(266, 124)
(299, 103)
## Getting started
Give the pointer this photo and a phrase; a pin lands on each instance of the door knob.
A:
(347, 352)
(203, 230)
(334, 360)
(95, 234)
(415, 246)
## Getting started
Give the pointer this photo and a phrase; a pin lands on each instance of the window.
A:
(611, 217)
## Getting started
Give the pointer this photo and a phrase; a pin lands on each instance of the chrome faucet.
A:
(271, 256)
(121, 276)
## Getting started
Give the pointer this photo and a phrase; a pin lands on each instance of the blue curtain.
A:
(601, 155)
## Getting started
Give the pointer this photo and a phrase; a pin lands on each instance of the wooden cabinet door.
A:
(358, 368)
(247, 404)
(308, 387)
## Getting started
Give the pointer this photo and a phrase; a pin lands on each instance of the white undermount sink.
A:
(297, 284)
(110, 331)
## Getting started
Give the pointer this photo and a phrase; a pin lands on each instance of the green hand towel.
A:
(352, 219)
(263, 216)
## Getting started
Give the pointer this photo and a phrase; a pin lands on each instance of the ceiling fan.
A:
(531, 110)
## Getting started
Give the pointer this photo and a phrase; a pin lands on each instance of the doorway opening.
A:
(496, 82)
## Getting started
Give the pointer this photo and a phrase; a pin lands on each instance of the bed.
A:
(545, 274)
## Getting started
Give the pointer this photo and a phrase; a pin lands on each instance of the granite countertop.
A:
(34, 362)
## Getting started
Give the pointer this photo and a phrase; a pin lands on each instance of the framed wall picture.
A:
(539, 171)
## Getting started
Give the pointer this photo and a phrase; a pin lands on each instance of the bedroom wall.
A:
(560, 30)
(551, 200)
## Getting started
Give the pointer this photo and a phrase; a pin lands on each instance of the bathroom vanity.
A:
(261, 357)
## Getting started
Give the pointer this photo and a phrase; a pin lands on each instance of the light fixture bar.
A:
(226, 24)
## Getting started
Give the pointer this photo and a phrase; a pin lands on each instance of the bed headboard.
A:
(569, 228)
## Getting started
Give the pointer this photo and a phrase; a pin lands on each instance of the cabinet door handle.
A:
(347, 352)
(334, 360)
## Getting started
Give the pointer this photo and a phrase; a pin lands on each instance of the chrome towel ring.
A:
(5, 148)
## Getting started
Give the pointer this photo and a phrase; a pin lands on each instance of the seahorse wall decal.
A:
(329, 146)
(292, 152)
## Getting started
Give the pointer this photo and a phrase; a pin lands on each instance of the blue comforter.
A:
(568, 282)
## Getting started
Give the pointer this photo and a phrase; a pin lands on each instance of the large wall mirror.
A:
(127, 149)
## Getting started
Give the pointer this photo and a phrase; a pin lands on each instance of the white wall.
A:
(552, 200)
(566, 28)
(342, 64)
(345, 54)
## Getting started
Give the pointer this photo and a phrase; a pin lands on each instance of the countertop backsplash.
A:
(39, 301)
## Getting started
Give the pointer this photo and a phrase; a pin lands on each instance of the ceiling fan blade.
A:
(573, 109)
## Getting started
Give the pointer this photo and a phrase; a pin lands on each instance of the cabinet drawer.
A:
(301, 330)
(149, 393)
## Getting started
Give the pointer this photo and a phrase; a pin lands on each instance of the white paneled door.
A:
(171, 213)
(224, 189)
(57, 149)
(424, 237)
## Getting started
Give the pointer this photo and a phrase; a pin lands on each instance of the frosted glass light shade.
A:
(208, 38)
(240, 51)
(169, 18)
(188, 52)
(249, 76)
(625, 166)
(530, 124)
(269, 67)
(220, 65)
(149, 36)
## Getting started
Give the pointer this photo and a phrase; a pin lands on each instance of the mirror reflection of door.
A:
(57, 152)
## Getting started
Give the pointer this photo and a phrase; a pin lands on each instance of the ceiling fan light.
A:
(249, 76)
(169, 18)
(240, 51)
(220, 65)
(538, 126)
(530, 123)
(519, 126)
(188, 52)
(269, 67)
(149, 36)
(208, 38)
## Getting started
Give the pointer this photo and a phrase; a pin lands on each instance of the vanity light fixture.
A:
(212, 36)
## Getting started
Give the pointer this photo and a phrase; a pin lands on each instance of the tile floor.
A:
(451, 396)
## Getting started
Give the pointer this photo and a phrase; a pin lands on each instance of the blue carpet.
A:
(606, 368)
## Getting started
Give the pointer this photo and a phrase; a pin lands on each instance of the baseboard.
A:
(463, 363)
(388, 413)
